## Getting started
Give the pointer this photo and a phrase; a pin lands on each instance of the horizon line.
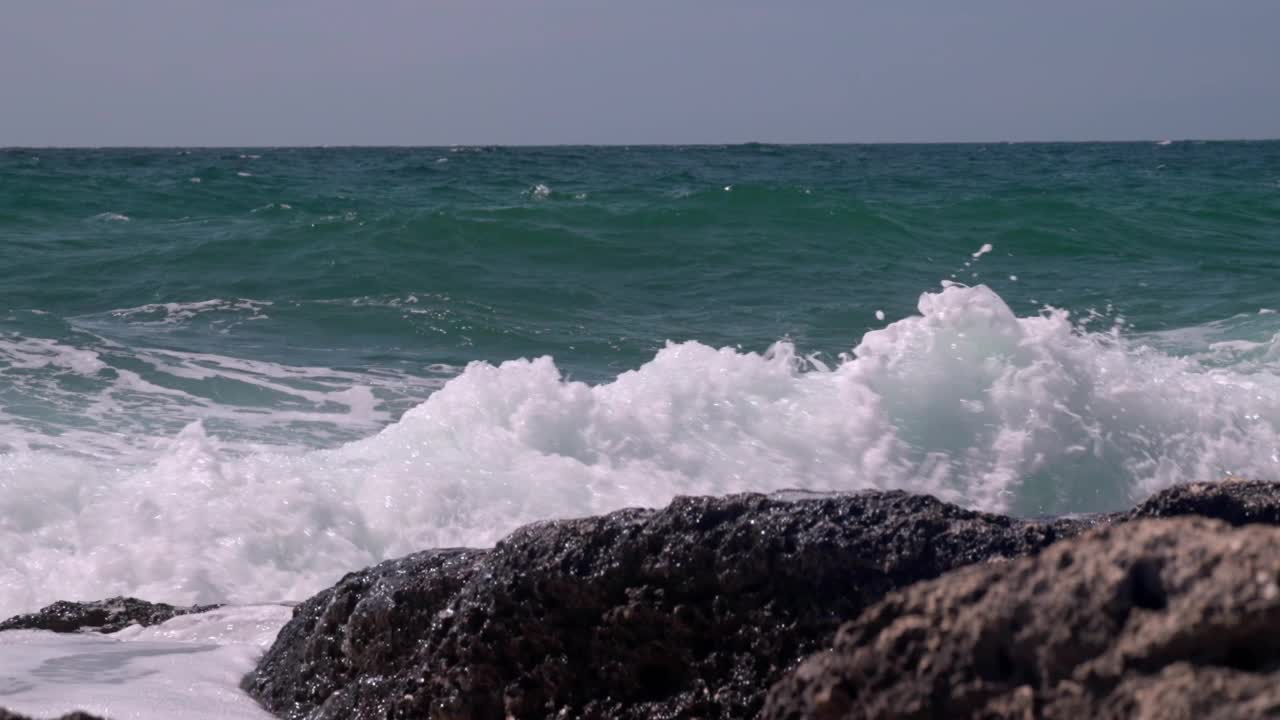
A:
(372, 146)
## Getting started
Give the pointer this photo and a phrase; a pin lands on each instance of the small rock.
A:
(104, 616)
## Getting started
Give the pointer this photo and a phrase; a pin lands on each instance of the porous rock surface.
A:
(1233, 500)
(1173, 618)
(104, 616)
(691, 611)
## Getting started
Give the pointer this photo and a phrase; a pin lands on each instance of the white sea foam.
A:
(110, 217)
(964, 400)
(176, 312)
(102, 399)
(189, 667)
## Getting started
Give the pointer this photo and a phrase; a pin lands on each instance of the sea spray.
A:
(255, 384)
(965, 400)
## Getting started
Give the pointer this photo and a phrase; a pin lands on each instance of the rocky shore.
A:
(880, 604)
(1150, 619)
(689, 611)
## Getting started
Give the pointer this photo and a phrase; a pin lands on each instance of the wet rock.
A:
(104, 616)
(1233, 500)
(1173, 618)
(689, 611)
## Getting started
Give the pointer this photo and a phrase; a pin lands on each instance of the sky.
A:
(441, 72)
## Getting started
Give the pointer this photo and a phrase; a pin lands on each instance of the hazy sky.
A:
(310, 72)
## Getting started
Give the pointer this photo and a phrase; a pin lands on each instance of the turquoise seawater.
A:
(599, 255)
(228, 353)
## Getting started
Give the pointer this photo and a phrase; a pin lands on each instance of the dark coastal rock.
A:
(1232, 500)
(1174, 618)
(689, 611)
(104, 616)
(7, 715)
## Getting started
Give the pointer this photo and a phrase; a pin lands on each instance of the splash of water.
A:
(965, 400)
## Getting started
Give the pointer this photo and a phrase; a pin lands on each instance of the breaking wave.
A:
(965, 400)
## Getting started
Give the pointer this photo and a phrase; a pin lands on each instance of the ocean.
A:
(233, 375)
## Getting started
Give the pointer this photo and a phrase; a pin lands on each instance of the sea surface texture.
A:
(235, 375)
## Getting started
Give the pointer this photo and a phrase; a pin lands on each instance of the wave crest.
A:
(1030, 415)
